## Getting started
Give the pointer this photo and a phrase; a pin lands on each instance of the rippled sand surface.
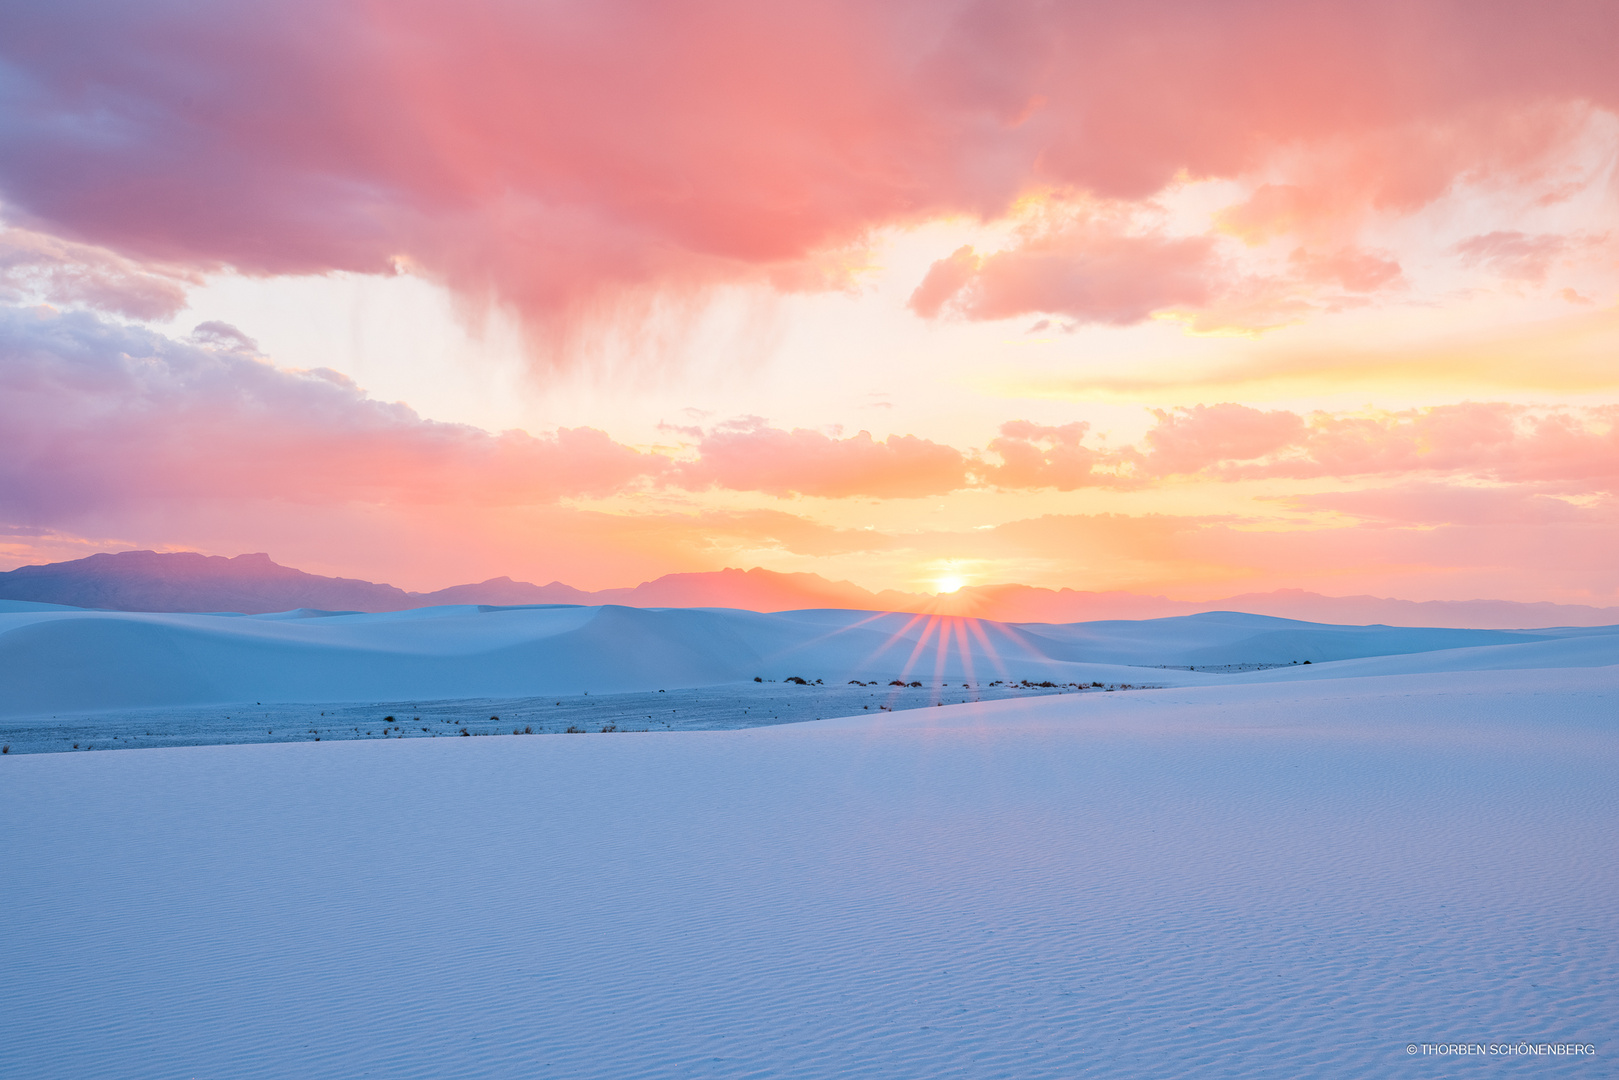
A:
(1263, 880)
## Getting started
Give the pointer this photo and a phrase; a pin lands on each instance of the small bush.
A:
(5, 749)
(528, 731)
(386, 720)
(606, 728)
(494, 719)
(574, 730)
(464, 731)
(757, 679)
(897, 682)
(796, 679)
(916, 684)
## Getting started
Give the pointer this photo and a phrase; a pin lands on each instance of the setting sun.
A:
(949, 583)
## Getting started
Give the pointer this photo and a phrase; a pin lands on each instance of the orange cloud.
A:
(1577, 449)
(754, 457)
(1036, 456)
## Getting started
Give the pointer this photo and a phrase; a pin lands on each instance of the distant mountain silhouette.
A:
(253, 584)
(503, 591)
(187, 581)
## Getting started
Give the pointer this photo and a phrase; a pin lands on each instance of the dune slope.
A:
(58, 660)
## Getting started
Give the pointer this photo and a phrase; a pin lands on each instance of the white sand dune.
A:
(1255, 879)
(60, 660)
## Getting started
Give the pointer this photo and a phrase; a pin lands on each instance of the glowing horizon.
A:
(1178, 300)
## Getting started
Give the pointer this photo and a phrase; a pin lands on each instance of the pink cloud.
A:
(1576, 450)
(1037, 456)
(1512, 254)
(1353, 269)
(565, 157)
(1088, 272)
(1205, 436)
(803, 462)
(98, 415)
(34, 266)
(944, 279)
(1438, 504)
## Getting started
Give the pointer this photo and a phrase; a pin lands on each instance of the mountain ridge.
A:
(256, 584)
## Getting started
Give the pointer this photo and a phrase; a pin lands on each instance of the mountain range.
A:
(254, 584)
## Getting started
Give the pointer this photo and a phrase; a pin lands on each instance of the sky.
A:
(1190, 299)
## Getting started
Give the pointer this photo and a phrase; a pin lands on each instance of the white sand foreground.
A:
(1271, 879)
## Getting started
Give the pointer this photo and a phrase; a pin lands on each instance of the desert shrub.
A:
(574, 730)
(5, 749)
(608, 728)
(464, 731)
(386, 720)
(856, 682)
(494, 719)
(516, 732)
(897, 682)
(757, 679)
(916, 684)
(528, 731)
